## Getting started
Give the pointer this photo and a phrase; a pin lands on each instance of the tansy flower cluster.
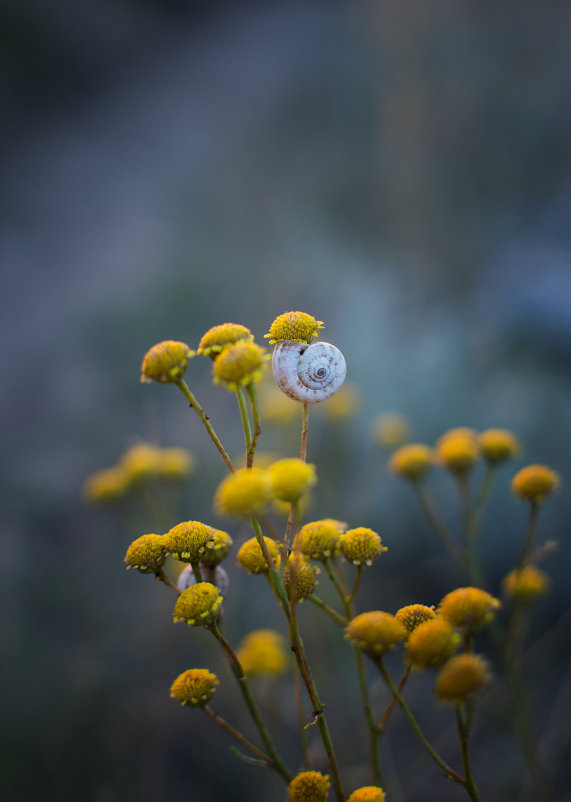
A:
(263, 653)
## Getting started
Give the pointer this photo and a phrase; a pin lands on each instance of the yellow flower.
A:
(526, 585)
(245, 493)
(344, 404)
(194, 687)
(461, 677)
(375, 632)
(198, 605)
(105, 487)
(251, 557)
(189, 541)
(534, 483)
(309, 786)
(166, 362)
(498, 445)
(470, 608)
(175, 463)
(140, 463)
(411, 461)
(147, 554)
(299, 577)
(369, 793)
(318, 539)
(414, 614)
(460, 431)
(432, 643)
(220, 337)
(458, 452)
(390, 429)
(239, 365)
(276, 407)
(297, 326)
(217, 548)
(360, 546)
(263, 652)
(290, 478)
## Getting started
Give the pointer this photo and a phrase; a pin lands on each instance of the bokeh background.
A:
(402, 172)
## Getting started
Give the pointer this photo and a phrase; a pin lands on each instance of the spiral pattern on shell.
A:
(309, 373)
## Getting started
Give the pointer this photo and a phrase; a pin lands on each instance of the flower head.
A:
(414, 614)
(318, 539)
(534, 483)
(498, 445)
(390, 429)
(194, 687)
(220, 337)
(198, 605)
(240, 364)
(369, 793)
(458, 451)
(432, 643)
(147, 554)
(469, 608)
(526, 585)
(297, 326)
(175, 463)
(166, 362)
(411, 461)
(290, 478)
(375, 632)
(299, 577)
(360, 546)
(244, 493)
(263, 652)
(461, 677)
(140, 463)
(190, 541)
(217, 548)
(105, 487)
(309, 786)
(251, 557)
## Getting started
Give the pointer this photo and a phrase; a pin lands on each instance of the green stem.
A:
(329, 610)
(196, 571)
(389, 708)
(274, 575)
(300, 715)
(250, 703)
(245, 421)
(470, 784)
(251, 390)
(439, 527)
(530, 536)
(185, 390)
(304, 431)
(448, 772)
(162, 577)
(237, 735)
(355, 588)
(292, 522)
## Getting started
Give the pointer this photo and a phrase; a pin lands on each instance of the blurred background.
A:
(400, 171)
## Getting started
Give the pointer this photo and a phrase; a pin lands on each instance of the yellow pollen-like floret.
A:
(245, 493)
(309, 786)
(375, 632)
(175, 463)
(166, 362)
(290, 478)
(189, 541)
(251, 557)
(469, 608)
(147, 554)
(216, 549)
(318, 539)
(432, 643)
(411, 461)
(498, 445)
(390, 429)
(369, 793)
(343, 404)
(263, 653)
(194, 687)
(240, 364)
(461, 677)
(414, 614)
(526, 585)
(198, 605)
(458, 452)
(105, 487)
(297, 326)
(220, 337)
(534, 483)
(360, 546)
(299, 577)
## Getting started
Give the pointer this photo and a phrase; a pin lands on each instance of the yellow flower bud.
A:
(105, 487)
(297, 326)
(190, 541)
(239, 365)
(166, 362)
(318, 539)
(147, 554)
(534, 483)
(432, 643)
(458, 452)
(251, 557)
(194, 687)
(375, 632)
(411, 461)
(220, 337)
(309, 786)
(526, 585)
(390, 429)
(414, 614)
(469, 608)
(263, 653)
(461, 677)
(290, 478)
(175, 463)
(369, 793)
(498, 445)
(245, 493)
(198, 605)
(299, 577)
(360, 546)
(216, 549)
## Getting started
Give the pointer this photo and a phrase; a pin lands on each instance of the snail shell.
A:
(309, 373)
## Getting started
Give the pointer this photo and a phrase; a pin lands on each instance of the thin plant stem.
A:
(300, 715)
(185, 390)
(439, 527)
(237, 735)
(292, 524)
(355, 588)
(250, 703)
(304, 431)
(390, 706)
(251, 390)
(329, 610)
(469, 532)
(465, 503)
(470, 784)
(448, 772)
(162, 577)
(529, 538)
(481, 503)
(196, 571)
(245, 421)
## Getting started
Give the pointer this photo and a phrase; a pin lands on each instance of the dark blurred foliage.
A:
(402, 171)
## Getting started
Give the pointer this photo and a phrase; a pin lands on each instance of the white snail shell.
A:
(309, 373)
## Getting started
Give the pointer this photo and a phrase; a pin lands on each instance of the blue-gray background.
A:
(400, 171)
